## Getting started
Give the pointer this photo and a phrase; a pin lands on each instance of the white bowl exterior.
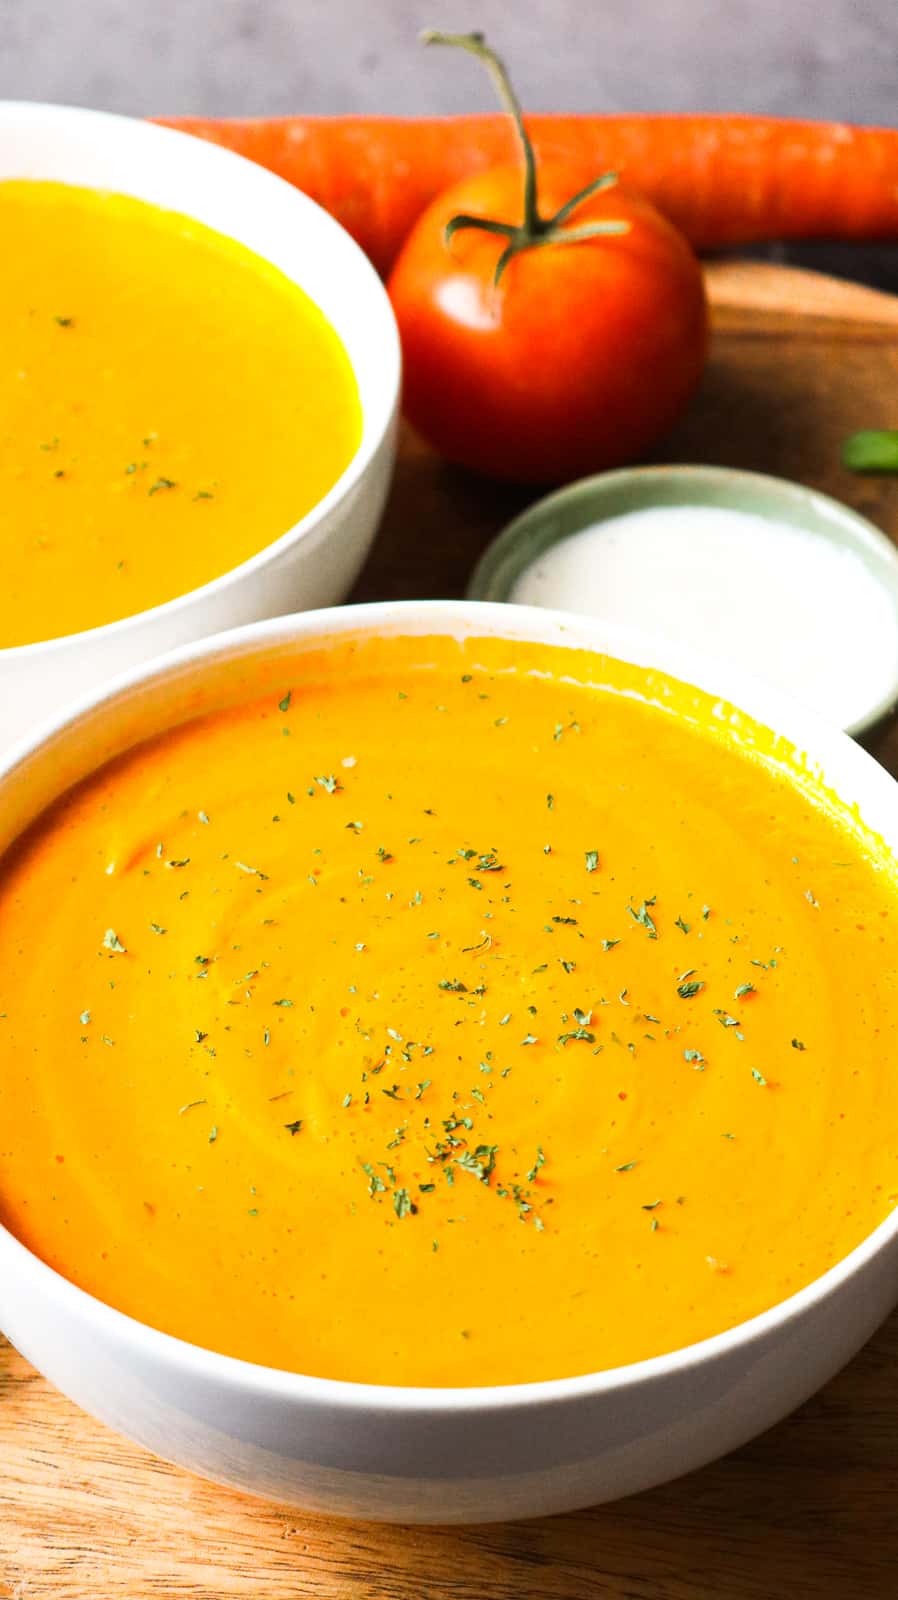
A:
(368, 1458)
(316, 562)
(422, 1454)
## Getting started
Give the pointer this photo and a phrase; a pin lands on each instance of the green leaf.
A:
(871, 450)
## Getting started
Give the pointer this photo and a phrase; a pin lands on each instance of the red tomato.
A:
(581, 356)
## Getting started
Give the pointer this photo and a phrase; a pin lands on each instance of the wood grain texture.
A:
(808, 1510)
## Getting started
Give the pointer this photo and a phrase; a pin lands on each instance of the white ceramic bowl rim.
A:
(471, 619)
(375, 419)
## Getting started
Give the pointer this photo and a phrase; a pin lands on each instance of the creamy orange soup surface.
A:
(170, 403)
(435, 1017)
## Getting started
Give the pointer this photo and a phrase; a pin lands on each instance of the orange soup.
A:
(437, 1018)
(169, 404)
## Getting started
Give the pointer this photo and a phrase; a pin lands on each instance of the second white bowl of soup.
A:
(199, 396)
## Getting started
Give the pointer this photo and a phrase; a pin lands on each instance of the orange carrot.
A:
(723, 179)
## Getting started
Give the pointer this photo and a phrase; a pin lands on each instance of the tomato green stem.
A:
(605, 180)
(533, 230)
(486, 225)
(476, 45)
(589, 230)
(872, 450)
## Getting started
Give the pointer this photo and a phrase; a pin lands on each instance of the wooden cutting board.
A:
(809, 1510)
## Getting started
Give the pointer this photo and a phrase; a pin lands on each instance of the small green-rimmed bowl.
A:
(591, 501)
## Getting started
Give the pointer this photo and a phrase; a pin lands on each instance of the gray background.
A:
(825, 58)
(822, 58)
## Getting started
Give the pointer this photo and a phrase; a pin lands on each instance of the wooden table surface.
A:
(807, 1512)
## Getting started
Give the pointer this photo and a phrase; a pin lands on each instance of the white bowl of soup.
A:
(448, 1058)
(198, 398)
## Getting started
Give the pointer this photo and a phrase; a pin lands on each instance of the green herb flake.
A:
(642, 915)
(376, 1183)
(683, 926)
(294, 1127)
(111, 941)
(797, 1045)
(759, 1077)
(592, 860)
(537, 1165)
(687, 988)
(329, 783)
(480, 1162)
(725, 1020)
(284, 705)
(403, 1205)
(744, 989)
(252, 872)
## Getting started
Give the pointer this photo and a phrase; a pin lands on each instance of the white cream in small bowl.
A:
(315, 562)
(771, 577)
